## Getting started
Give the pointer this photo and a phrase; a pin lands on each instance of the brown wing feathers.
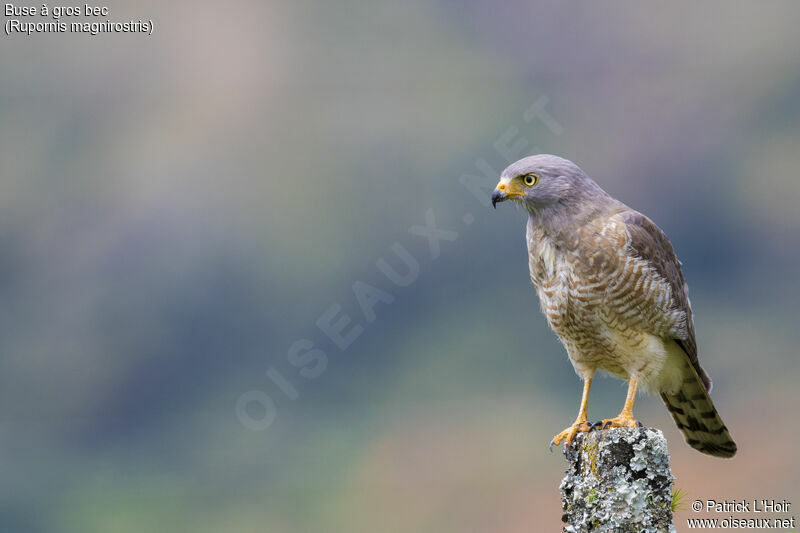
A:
(691, 407)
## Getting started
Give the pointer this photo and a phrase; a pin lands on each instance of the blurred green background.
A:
(177, 210)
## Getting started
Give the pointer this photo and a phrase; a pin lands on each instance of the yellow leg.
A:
(625, 418)
(581, 424)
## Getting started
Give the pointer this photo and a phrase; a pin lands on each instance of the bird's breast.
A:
(567, 296)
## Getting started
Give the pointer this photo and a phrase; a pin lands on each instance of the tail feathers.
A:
(697, 418)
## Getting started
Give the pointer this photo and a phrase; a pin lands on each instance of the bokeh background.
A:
(177, 210)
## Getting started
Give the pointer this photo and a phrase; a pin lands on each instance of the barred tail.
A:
(697, 418)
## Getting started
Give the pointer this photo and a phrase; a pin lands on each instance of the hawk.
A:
(612, 289)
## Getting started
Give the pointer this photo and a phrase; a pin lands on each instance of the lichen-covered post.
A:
(618, 480)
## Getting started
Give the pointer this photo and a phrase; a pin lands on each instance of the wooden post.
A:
(618, 480)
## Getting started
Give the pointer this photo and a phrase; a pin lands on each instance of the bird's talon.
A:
(621, 422)
(568, 434)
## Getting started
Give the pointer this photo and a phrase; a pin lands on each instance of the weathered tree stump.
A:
(619, 480)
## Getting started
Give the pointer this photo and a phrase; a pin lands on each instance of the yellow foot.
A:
(568, 434)
(620, 421)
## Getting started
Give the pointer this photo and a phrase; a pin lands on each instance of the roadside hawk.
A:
(612, 289)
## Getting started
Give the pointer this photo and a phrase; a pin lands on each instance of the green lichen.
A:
(618, 480)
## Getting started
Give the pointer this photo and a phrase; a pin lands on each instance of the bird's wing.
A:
(648, 244)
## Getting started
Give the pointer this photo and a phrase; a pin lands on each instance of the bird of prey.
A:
(612, 289)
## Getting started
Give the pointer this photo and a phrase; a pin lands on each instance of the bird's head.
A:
(541, 181)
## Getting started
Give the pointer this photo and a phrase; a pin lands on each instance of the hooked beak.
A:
(506, 190)
(498, 196)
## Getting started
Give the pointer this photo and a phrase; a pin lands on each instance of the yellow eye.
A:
(530, 179)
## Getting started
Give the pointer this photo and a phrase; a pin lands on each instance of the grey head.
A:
(548, 184)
